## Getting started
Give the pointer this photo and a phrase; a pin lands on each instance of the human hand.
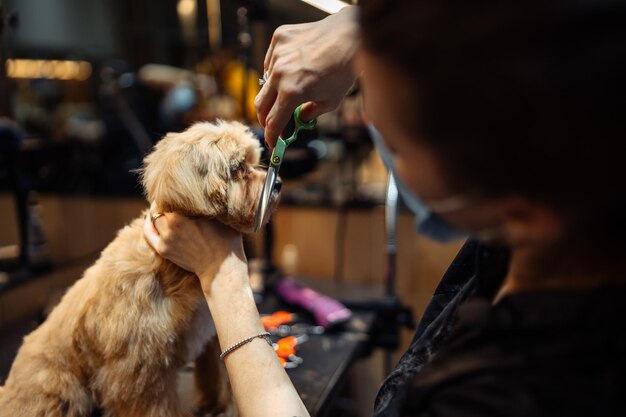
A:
(198, 245)
(308, 63)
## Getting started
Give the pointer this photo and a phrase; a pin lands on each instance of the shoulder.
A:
(539, 355)
(477, 395)
(492, 393)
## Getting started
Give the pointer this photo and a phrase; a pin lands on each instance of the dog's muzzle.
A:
(267, 200)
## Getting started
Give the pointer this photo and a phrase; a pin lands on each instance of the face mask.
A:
(427, 222)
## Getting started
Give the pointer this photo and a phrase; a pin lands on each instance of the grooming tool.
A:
(296, 329)
(291, 363)
(275, 320)
(286, 350)
(276, 160)
(327, 311)
(286, 347)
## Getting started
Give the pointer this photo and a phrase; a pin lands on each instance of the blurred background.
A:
(87, 87)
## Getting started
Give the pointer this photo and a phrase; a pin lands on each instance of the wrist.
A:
(349, 28)
(228, 274)
(221, 257)
(350, 21)
(350, 11)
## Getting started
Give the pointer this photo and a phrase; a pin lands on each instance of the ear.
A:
(526, 221)
(155, 171)
(238, 145)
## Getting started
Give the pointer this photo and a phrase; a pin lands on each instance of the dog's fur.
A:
(121, 333)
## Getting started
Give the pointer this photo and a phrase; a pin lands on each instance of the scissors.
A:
(270, 186)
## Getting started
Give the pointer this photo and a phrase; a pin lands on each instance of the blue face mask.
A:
(427, 223)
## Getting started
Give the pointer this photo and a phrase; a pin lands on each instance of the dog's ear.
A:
(190, 172)
(241, 149)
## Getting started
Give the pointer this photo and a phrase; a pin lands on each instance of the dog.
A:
(121, 333)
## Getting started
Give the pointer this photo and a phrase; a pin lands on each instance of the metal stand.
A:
(391, 226)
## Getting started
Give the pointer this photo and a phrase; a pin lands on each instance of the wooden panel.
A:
(312, 232)
(364, 246)
(8, 221)
(28, 299)
(80, 226)
(74, 226)
(420, 262)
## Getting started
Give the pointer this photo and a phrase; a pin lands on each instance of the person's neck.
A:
(544, 270)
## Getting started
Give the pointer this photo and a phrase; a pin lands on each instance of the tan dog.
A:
(121, 333)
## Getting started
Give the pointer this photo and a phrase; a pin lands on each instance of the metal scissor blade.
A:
(264, 201)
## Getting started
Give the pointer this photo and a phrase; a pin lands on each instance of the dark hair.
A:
(523, 97)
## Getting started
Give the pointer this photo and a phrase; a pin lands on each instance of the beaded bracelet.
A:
(264, 335)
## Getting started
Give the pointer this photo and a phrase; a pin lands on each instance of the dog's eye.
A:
(242, 171)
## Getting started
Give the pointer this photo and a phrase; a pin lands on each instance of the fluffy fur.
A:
(121, 333)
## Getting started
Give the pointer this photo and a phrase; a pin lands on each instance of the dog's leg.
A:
(30, 404)
(212, 389)
(142, 391)
(150, 406)
(157, 409)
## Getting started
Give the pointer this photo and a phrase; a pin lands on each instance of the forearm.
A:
(260, 385)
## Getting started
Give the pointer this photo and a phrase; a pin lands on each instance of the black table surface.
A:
(326, 357)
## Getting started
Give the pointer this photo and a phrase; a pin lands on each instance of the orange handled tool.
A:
(286, 347)
(278, 318)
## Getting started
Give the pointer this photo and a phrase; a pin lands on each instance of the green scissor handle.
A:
(281, 144)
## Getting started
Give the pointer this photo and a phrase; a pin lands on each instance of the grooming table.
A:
(328, 357)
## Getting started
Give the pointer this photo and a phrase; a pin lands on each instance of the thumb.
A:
(151, 234)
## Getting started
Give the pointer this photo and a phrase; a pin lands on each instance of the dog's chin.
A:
(271, 207)
(273, 203)
(248, 224)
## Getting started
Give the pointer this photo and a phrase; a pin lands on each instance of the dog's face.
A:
(207, 170)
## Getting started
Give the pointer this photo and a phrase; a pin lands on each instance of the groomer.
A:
(504, 121)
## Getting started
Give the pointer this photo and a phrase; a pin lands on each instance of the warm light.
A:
(328, 6)
(84, 70)
(186, 8)
(214, 17)
(50, 69)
